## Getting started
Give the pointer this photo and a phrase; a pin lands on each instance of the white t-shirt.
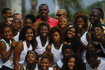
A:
(100, 67)
(57, 53)
(39, 48)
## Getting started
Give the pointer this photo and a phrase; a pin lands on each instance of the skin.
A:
(93, 62)
(19, 48)
(43, 11)
(67, 52)
(71, 33)
(44, 34)
(7, 33)
(8, 13)
(44, 64)
(56, 39)
(94, 17)
(63, 22)
(63, 13)
(28, 22)
(71, 63)
(9, 21)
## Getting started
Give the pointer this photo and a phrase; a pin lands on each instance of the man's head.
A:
(96, 15)
(91, 58)
(43, 10)
(61, 13)
(6, 12)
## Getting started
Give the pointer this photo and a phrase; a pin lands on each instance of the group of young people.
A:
(46, 43)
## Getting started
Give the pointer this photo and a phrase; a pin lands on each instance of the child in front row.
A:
(31, 61)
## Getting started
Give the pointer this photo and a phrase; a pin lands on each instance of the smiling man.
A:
(43, 13)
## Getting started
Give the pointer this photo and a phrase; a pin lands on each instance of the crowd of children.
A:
(46, 43)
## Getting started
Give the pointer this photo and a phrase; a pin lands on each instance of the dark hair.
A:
(100, 26)
(90, 53)
(4, 11)
(45, 57)
(33, 52)
(101, 13)
(53, 30)
(66, 46)
(3, 26)
(66, 37)
(43, 24)
(22, 36)
(31, 17)
(79, 64)
(85, 19)
(43, 5)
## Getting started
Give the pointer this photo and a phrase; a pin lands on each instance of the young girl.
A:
(63, 24)
(81, 23)
(42, 38)
(31, 61)
(73, 62)
(45, 64)
(56, 43)
(27, 43)
(6, 48)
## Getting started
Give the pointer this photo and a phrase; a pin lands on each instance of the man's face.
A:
(94, 16)
(43, 11)
(59, 14)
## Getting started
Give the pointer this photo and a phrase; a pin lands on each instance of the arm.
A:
(5, 54)
(17, 51)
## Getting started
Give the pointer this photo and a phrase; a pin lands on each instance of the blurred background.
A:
(72, 6)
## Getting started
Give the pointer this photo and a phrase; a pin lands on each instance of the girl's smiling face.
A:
(31, 58)
(80, 23)
(63, 22)
(56, 37)
(44, 31)
(71, 33)
(29, 34)
(71, 63)
(7, 33)
(45, 64)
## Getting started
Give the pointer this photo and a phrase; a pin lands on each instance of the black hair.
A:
(43, 5)
(66, 46)
(100, 26)
(22, 36)
(3, 26)
(42, 24)
(66, 37)
(33, 52)
(90, 53)
(85, 19)
(79, 64)
(31, 17)
(4, 11)
(53, 30)
(101, 13)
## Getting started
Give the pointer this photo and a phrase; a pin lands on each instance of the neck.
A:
(57, 45)
(28, 44)
(31, 66)
(44, 18)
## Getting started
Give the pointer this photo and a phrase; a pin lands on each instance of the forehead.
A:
(95, 12)
(43, 7)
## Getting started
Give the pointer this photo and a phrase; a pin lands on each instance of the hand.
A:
(13, 44)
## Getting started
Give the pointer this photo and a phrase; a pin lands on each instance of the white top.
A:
(56, 53)
(16, 38)
(60, 63)
(9, 62)
(84, 38)
(100, 67)
(39, 48)
(24, 52)
(36, 68)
